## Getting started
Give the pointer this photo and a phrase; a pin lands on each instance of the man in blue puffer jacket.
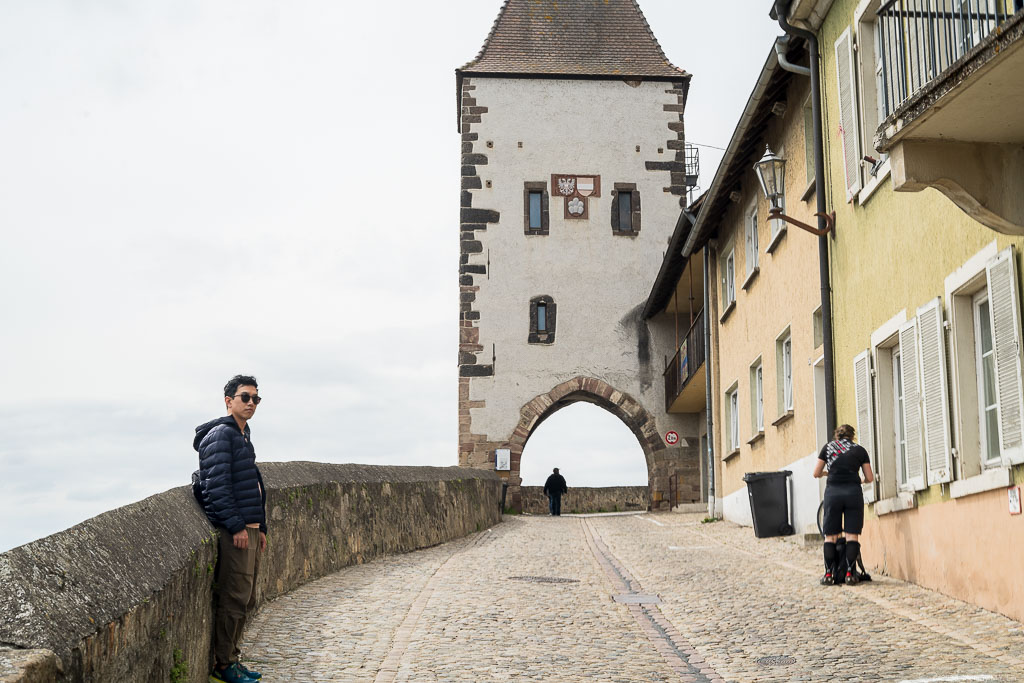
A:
(234, 499)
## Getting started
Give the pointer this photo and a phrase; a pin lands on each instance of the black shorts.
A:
(844, 510)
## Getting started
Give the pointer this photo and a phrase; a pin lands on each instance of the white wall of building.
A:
(597, 279)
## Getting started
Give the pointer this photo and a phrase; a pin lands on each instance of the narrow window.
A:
(542, 320)
(787, 369)
(625, 212)
(535, 208)
(760, 398)
(988, 416)
(899, 438)
(734, 420)
(730, 278)
(752, 244)
(535, 217)
(625, 209)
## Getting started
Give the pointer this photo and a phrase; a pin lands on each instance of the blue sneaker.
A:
(232, 673)
(254, 675)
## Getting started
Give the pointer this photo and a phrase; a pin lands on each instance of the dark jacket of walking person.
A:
(234, 500)
(844, 461)
(554, 487)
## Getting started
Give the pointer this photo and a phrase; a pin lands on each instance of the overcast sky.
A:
(195, 188)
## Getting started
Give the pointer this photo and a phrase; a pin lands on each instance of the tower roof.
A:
(589, 38)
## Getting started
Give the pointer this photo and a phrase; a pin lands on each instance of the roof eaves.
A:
(735, 143)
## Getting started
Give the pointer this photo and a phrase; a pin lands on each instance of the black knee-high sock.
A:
(830, 556)
(852, 551)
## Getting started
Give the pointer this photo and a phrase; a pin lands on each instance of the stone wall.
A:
(126, 596)
(603, 499)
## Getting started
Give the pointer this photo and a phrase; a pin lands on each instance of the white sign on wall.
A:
(502, 459)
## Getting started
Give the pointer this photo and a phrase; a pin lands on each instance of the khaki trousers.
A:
(236, 590)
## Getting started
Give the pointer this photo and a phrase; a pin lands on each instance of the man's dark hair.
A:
(239, 381)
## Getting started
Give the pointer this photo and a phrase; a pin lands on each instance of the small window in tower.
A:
(625, 209)
(542, 320)
(535, 197)
(535, 208)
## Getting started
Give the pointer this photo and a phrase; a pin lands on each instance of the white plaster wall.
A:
(595, 278)
(804, 492)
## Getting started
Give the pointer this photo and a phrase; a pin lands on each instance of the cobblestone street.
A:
(622, 598)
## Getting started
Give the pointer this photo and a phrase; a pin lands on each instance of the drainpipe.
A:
(707, 380)
(781, 9)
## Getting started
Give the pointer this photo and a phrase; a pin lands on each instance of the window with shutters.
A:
(865, 416)
(535, 209)
(751, 240)
(849, 131)
(625, 209)
(986, 369)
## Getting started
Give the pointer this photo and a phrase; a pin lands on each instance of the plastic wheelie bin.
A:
(769, 503)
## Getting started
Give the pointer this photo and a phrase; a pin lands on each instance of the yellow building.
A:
(924, 142)
(766, 369)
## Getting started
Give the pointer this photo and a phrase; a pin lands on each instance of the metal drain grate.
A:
(776, 660)
(544, 579)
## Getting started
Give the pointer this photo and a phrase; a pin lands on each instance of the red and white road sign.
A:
(671, 438)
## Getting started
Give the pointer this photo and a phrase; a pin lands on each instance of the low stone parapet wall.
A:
(584, 500)
(126, 595)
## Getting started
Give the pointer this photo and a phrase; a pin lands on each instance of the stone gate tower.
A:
(572, 179)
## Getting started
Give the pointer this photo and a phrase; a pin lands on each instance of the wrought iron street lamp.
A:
(771, 174)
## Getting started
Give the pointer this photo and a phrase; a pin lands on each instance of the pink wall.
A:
(968, 548)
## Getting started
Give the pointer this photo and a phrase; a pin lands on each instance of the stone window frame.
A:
(634, 209)
(542, 187)
(548, 335)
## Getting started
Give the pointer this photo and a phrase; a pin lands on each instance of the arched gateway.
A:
(573, 173)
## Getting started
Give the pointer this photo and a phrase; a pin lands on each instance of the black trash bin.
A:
(769, 503)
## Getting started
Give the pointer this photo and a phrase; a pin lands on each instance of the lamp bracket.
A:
(829, 218)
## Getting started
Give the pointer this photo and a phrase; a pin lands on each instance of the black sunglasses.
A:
(246, 397)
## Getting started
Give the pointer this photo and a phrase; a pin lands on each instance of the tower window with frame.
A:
(535, 209)
(542, 320)
(732, 403)
(757, 397)
(625, 209)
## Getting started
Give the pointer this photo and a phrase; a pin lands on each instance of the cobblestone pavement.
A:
(622, 598)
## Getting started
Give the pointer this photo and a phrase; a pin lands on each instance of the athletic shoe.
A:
(230, 674)
(255, 675)
(852, 579)
(827, 580)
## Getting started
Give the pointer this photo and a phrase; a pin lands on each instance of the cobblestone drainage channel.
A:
(776, 660)
(544, 579)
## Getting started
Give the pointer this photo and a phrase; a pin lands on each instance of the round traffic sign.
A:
(671, 438)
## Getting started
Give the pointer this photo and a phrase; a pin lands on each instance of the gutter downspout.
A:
(707, 381)
(781, 9)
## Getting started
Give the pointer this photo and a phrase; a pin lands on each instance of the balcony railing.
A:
(688, 359)
(919, 39)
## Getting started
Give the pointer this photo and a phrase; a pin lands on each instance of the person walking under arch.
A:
(844, 461)
(554, 487)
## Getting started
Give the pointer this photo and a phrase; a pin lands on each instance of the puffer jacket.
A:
(233, 493)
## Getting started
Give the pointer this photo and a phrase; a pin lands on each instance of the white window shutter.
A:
(1004, 303)
(934, 392)
(848, 120)
(865, 415)
(916, 476)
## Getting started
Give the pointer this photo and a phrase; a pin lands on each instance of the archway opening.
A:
(589, 445)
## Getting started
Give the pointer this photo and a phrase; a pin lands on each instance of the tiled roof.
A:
(573, 38)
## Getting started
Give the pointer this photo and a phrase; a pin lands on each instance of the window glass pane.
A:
(992, 434)
(787, 359)
(625, 211)
(985, 323)
(760, 400)
(542, 317)
(900, 436)
(535, 210)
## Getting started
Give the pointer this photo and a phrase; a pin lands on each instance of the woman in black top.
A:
(844, 501)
